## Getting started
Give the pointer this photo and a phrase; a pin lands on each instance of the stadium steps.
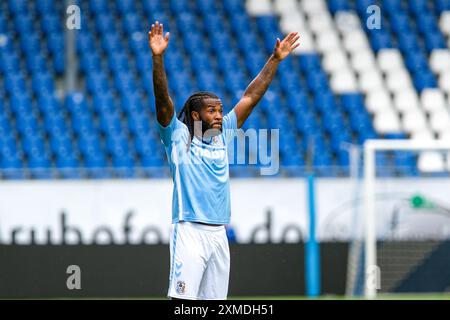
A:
(397, 260)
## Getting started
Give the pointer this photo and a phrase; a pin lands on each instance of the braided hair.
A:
(194, 103)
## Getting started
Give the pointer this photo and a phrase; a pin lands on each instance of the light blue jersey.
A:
(201, 191)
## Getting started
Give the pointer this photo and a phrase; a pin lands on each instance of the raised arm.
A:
(158, 44)
(259, 85)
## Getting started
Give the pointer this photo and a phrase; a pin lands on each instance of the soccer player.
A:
(196, 147)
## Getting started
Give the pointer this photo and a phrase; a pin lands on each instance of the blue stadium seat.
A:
(112, 122)
(408, 42)
(380, 39)
(338, 5)
(400, 22)
(9, 62)
(56, 43)
(23, 22)
(416, 61)
(442, 5)
(50, 23)
(85, 42)
(98, 6)
(152, 5)
(31, 44)
(111, 42)
(426, 23)
(132, 23)
(424, 79)
(309, 62)
(45, 6)
(434, 41)
(125, 6)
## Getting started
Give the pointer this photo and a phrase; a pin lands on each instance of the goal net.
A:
(405, 230)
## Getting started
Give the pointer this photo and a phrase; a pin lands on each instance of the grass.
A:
(425, 296)
(412, 296)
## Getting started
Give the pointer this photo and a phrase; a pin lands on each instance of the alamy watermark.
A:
(374, 19)
(73, 282)
(373, 277)
(73, 20)
(235, 147)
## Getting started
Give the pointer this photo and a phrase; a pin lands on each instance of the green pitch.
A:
(431, 296)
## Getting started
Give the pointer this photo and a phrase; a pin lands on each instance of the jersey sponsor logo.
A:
(181, 287)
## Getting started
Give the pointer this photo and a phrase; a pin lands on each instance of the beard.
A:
(208, 130)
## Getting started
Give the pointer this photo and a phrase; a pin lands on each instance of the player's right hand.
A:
(156, 40)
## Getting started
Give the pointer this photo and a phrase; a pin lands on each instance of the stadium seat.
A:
(259, 7)
(407, 99)
(363, 60)
(432, 99)
(387, 122)
(335, 61)
(431, 162)
(398, 81)
(440, 120)
(371, 81)
(444, 81)
(413, 121)
(345, 82)
(389, 60)
(440, 60)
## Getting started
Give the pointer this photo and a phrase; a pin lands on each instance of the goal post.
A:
(372, 272)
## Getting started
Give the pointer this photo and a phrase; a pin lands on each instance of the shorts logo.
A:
(181, 287)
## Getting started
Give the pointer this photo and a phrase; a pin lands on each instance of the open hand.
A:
(156, 40)
(284, 48)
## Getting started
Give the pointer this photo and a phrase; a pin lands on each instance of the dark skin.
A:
(212, 112)
(211, 115)
(159, 42)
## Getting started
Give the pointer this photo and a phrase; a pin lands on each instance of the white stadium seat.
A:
(307, 43)
(320, 22)
(423, 135)
(378, 100)
(335, 60)
(259, 7)
(444, 22)
(440, 60)
(444, 81)
(355, 40)
(347, 21)
(432, 99)
(440, 121)
(371, 80)
(292, 21)
(363, 60)
(387, 122)
(406, 100)
(343, 81)
(327, 41)
(431, 161)
(390, 59)
(285, 6)
(311, 7)
(445, 135)
(398, 80)
(413, 121)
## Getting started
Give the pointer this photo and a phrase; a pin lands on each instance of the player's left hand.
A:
(284, 48)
